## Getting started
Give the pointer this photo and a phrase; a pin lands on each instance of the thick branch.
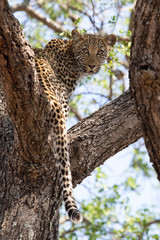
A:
(145, 74)
(102, 135)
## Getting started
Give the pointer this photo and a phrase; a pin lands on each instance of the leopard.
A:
(60, 66)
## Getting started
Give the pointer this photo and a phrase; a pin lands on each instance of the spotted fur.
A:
(59, 66)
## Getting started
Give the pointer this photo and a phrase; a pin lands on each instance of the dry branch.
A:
(56, 26)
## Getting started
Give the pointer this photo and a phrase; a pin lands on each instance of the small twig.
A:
(124, 63)
(77, 114)
(90, 93)
(63, 220)
(153, 222)
(72, 230)
(110, 87)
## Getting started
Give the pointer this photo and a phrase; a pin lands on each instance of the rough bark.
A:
(29, 190)
(27, 176)
(103, 134)
(145, 74)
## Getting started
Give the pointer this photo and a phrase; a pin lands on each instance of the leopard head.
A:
(90, 51)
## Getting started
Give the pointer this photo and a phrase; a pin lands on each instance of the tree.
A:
(144, 75)
(29, 206)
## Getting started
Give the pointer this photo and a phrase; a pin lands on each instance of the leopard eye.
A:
(85, 50)
(100, 52)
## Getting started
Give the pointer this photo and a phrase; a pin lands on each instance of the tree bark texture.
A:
(29, 206)
(103, 134)
(29, 190)
(145, 74)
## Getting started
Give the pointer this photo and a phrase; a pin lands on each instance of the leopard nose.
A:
(92, 66)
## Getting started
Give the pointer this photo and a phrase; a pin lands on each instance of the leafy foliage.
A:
(109, 214)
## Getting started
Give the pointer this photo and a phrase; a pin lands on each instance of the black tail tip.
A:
(75, 216)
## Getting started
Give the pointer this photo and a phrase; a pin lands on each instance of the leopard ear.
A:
(76, 36)
(110, 40)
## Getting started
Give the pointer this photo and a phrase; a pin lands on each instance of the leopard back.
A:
(60, 65)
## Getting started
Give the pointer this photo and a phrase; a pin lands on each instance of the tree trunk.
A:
(29, 188)
(145, 74)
